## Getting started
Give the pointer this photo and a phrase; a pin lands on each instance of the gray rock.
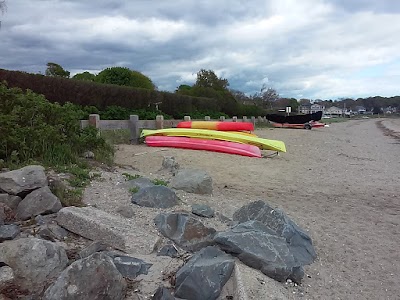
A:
(169, 163)
(34, 261)
(202, 210)
(126, 211)
(22, 181)
(2, 216)
(186, 231)
(298, 241)
(8, 232)
(88, 155)
(7, 215)
(156, 196)
(259, 247)
(98, 225)
(10, 200)
(192, 181)
(162, 293)
(94, 247)
(39, 202)
(6, 277)
(204, 275)
(52, 232)
(139, 183)
(168, 250)
(130, 267)
(91, 278)
(46, 219)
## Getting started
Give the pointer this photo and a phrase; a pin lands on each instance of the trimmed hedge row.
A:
(86, 93)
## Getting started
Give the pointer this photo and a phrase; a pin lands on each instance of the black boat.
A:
(299, 119)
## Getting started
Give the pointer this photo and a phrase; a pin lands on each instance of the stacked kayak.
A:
(202, 144)
(225, 137)
(222, 126)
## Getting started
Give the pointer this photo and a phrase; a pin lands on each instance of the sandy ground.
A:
(340, 184)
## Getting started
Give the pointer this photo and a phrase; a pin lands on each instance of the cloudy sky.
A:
(304, 49)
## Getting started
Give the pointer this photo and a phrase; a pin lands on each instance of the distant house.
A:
(359, 110)
(334, 111)
(390, 110)
(311, 108)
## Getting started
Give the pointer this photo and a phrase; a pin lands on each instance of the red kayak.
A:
(202, 144)
(299, 126)
(217, 125)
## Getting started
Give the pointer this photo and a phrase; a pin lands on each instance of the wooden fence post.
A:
(234, 119)
(207, 118)
(244, 119)
(159, 122)
(186, 118)
(134, 129)
(222, 118)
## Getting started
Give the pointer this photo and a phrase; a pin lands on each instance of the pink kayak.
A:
(200, 144)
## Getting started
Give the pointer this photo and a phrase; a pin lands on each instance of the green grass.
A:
(160, 182)
(130, 176)
(133, 190)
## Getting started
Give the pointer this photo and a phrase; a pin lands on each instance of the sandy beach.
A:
(340, 184)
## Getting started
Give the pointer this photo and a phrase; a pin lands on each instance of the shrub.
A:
(33, 129)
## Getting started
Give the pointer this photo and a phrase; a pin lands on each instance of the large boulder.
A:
(34, 261)
(192, 181)
(204, 275)
(259, 247)
(299, 243)
(186, 231)
(10, 200)
(157, 196)
(39, 202)
(22, 181)
(91, 278)
(98, 225)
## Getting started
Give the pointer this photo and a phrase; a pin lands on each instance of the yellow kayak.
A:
(261, 143)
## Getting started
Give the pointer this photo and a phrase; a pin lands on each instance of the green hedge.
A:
(101, 96)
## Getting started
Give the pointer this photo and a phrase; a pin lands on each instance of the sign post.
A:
(288, 110)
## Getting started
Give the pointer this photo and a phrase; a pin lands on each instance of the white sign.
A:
(288, 109)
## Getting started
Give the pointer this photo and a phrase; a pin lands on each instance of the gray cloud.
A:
(314, 48)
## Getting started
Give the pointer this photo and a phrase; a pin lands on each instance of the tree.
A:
(126, 77)
(267, 97)
(56, 70)
(3, 6)
(184, 89)
(208, 79)
(85, 76)
(239, 96)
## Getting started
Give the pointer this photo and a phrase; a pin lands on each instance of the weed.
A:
(160, 182)
(130, 176)
(133, 190)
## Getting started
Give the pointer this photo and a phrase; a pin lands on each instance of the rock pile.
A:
(36, 261)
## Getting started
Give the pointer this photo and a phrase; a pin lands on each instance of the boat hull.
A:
(201, 144)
